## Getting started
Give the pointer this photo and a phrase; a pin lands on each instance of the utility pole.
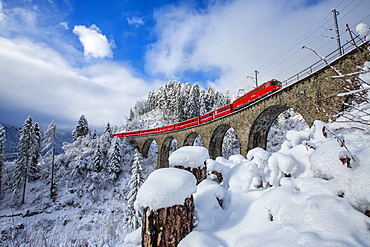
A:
(255, 79)
(255, 74)
(335, 13)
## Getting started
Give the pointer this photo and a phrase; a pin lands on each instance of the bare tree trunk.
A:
(166, 227)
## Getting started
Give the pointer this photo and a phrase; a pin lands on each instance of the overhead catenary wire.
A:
(293, 49)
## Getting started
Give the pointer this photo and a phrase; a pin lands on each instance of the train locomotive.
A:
(241, 102)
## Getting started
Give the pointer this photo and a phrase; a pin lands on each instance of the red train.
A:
(263, 90)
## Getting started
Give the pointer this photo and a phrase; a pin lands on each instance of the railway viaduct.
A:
(314, 97)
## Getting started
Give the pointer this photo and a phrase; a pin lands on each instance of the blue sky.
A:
(61, 59)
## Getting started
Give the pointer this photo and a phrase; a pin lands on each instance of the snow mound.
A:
(134, 237)
(165, 187)
(208, 200)
(200, 239)
(325, 161)
(189, 156)
(359, 188)
(214, 166)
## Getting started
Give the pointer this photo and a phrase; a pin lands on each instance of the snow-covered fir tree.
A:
(26, 155)
(34, 170)
(202, 102)
(79, 155)
(133, 217)
(82, 128)
(2, 141)
(106, 140)
(97, 159)
(115, 159)
(48, 146)
(230, 144)
(194, 101)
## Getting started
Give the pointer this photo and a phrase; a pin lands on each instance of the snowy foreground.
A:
(313, 192)
(320, 203)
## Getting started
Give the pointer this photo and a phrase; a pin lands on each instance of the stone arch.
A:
(165, 152)
(215, 145)
(189, 140)
(146, 147)
(260, 128)
(134, 144)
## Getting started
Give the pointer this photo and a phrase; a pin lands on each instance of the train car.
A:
(206, 117)
(264, 89)
(227, 109)
(127, 134)
(167, 128)
(119, 135)
(187, 123)
(149, 131)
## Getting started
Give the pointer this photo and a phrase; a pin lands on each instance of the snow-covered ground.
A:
(313, 192)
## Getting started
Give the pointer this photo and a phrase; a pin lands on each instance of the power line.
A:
(309, 34)
(293, 46)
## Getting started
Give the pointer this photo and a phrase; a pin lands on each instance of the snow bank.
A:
(134, 237)
(208, 201)
(325, 161)
(165, 187)
(214, 166)
(200, 239)
(189, 156)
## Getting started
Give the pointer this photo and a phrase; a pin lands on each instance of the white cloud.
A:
(48, 86)
(135, 21)
(238, 37)
(2, 15)
(96, 45)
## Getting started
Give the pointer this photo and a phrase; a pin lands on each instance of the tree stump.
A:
(166, 227)
(167, 201)
(200, 173)
(192, 159)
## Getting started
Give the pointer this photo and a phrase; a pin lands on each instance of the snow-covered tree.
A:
(34, 171)
(202, 102)
(25, 157)
(106, 140)
(2, 141)
(194, 103)
(230, 144)
(82, 128)
(133, 217)
(227, 97)
(97, 160)
(48, 146)
(209, 99)
(115, 158)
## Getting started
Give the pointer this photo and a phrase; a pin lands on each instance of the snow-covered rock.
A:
(165, 187)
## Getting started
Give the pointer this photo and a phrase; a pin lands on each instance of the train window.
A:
(257, 90)
(245, 97)
(252, 93)
(263, 87)
(267, 84)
